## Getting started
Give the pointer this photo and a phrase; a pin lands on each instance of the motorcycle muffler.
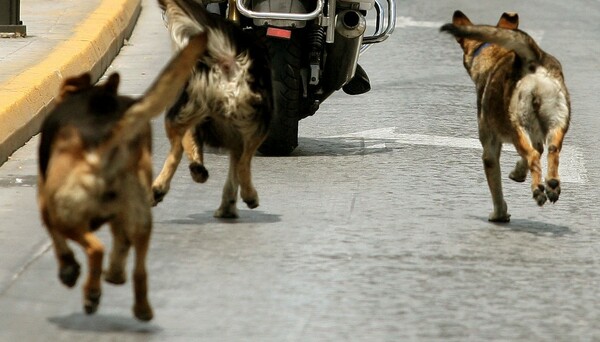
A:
(342, 55)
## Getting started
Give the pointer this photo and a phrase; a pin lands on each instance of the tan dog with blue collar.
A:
(521, 99)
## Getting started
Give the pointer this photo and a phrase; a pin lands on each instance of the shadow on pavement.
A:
(342, 146)
(533, 227)
(103, 323)
(246, 216)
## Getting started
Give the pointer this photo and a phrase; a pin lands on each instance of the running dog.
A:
(521, 99)
(95, 168)
(227, 103)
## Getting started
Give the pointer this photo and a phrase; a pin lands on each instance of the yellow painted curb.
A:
(26, 98)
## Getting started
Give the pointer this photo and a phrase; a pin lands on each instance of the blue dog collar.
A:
(480, 48)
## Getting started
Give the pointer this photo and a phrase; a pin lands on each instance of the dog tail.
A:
(515, 40)
(185, 18)
(161, 93)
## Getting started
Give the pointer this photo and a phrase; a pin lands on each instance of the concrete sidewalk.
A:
(64, 38)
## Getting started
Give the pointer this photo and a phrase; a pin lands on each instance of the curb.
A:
(92, 47)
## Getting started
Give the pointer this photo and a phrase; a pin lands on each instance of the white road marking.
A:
(572, 166)
(403, 22)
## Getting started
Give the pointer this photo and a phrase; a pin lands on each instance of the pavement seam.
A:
(38, 254)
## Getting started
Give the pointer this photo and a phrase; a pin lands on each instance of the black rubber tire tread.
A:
(285, 56)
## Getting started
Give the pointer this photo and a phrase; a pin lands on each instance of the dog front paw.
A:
(519, 173)
(199, 172)
(252, 203)
(517, 176)
(69, 271)
(251, 199)
(539, 196)
(158, 194)
(500, 213)
(143, 311)
(553, 190)
(226, 212)
(499, 218)
(115, 277)
(91, 301)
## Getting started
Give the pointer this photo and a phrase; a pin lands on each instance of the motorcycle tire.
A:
(285, 57)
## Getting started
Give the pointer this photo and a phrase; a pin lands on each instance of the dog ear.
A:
(105, 100)
(75, 84)
(112, 83)
(460, 19)
(509, 20)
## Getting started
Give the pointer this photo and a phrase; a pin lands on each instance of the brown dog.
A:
(521, 99)
(227, 103)
(95, 168)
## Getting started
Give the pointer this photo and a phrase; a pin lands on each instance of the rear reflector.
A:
(279, 33)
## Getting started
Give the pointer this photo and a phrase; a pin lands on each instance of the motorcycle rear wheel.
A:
(285, 56)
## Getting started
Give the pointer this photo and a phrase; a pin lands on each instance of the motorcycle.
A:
(314, 46)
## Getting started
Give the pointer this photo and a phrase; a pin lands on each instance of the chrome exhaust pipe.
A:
(342, 55)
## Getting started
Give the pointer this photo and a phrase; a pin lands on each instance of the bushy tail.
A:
(162, 93)
(515, 40)
(185, 18)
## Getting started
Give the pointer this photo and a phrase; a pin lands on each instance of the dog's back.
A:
(73, 173)
(516, 65)
(232, 81)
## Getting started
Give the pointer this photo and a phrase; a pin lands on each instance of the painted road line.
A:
(572, 165)
(409, 22)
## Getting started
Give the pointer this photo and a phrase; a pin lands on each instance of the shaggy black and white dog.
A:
(227, 102)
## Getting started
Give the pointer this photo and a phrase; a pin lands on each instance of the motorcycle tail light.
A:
(279, 33)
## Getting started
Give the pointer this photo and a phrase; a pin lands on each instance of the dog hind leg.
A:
(115, 274)
(162, 183)
(68, 267)
(491, 164)
(95, 251)
(555, 140)
(193, 146)
(141, 240)
(532, 155)
(228, 207)
(247, 190)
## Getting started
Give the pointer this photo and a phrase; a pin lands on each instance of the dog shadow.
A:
(246, 216)
(103, 323)
(533, 227)
(342, 146)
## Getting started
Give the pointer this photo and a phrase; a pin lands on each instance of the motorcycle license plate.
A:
(279, 33)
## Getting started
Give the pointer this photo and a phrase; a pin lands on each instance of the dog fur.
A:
(227, 103)
(95, 168)
(521, 99)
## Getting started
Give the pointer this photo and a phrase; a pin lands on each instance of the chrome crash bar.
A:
(381, 32)
(280, 16)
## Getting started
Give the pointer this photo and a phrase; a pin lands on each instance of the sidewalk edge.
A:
(90, 48)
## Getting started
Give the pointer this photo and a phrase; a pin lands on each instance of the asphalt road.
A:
(374, 230)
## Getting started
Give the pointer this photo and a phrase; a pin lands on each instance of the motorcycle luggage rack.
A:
(280, 16)
(381, 33)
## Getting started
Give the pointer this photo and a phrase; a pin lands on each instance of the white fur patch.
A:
(181, 26)
(77, 196)
(225, 89)
(549, 94)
